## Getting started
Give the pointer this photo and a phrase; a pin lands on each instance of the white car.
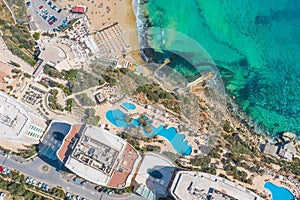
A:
(68, 195)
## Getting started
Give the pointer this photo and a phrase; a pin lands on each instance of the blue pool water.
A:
(278, 193)
(128, 106)
(53, 140)
(61, 127)
(117, 118)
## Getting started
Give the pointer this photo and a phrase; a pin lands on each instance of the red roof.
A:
(78, 9)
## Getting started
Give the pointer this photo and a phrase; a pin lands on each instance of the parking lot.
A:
(34, 182)
(46, 14)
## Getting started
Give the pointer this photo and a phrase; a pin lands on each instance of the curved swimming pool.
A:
(279, 193)
(177, 140)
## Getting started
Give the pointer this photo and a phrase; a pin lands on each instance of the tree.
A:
(227, 127)
(85, 100)
(142, 120)
(9, 87)
(153, 148)
(27, 75)
(15, 64)
(36, 35)
(148, 128)
(202, 162)
(16, 71)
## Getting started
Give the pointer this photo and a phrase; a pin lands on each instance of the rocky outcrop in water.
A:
(288, 137)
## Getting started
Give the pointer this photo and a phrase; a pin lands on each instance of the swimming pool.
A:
(61, 127)
(278, 193)
(177, 140)
(128, 106)
(118, 118)
(53, 139)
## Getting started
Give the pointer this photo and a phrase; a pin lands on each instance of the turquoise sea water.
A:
(278, 193)
(254, 43)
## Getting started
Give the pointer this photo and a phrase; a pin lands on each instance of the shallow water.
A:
(254, 43)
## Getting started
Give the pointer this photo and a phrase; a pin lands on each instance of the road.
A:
(53, 178)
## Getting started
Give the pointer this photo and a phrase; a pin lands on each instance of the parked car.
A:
(27, 180)
(68, 195)
(105, 190)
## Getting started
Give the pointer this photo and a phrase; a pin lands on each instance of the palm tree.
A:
(148, 128)
(142, 120)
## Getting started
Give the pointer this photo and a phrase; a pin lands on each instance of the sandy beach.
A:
(104, 13)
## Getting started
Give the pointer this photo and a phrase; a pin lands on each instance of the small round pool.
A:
(128, 106)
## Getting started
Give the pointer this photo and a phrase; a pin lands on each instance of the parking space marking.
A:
(47, 15)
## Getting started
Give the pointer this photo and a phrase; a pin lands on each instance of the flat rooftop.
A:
(98, 156)
(14, 119)
(122, 176)
(198, 185)
(65, 149)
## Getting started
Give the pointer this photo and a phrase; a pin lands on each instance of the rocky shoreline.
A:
(232, 106)
(142, 24)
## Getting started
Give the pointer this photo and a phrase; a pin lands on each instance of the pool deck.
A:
(166, 146)
(177, 140)
(158, 114)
